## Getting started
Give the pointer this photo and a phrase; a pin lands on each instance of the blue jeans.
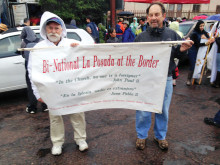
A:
(218, 62)
(143, 118)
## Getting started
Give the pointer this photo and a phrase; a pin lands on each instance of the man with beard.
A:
(156, 31)
(53, 31)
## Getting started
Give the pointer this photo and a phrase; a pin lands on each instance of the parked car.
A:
(12, 76)
(187, 27)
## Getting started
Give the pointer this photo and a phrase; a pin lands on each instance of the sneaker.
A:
(31, 110)
(56, 150)
(163, 144)
(44, 107)
(82, 145)
(210, 121)
(140, 143)
(188, 82)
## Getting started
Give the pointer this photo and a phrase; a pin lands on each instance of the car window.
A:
(39, 36)
(73, 35)
(4, 46)
(9, 45)
(16, 42)
(185, 28)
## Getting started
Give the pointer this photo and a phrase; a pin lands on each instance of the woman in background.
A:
(112, 36)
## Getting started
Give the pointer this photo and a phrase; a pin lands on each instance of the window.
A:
(171, 7)
(179, 7)
(16, 42)
(73, 35)
(196, 8)
(5, 47)
(185, 28)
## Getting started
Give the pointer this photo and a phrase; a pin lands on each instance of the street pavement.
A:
(111, 136)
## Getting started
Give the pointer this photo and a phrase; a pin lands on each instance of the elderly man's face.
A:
(54, 31)
(156, 17)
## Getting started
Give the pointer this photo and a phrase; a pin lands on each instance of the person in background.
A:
(142, 26)
(72, 24)
(179, 19)
(128, 35)
(196, 36)
(216, 83)
(29, 39)
(112, 36)
(93, 27)
(184, 19)
(89, 30)
(213, 121)
(53, 32)
(35, 21)
(134, 25)
(119, 28)
(26, 22)
(3, 28)
(175, 26)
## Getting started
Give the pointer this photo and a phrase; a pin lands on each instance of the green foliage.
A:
(101, 33)
(77, 9)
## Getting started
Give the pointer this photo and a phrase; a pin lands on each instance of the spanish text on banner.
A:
(102, 76)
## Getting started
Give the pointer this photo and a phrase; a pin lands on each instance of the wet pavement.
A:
(24, 138)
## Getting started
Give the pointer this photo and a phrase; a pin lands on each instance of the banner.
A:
(172, 1)
(102, 76)
(200, 60)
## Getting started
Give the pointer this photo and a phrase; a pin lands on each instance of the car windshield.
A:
(184, 28)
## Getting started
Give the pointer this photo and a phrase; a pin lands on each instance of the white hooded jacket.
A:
(46, 43)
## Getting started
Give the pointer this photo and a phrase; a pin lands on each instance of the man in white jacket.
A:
(53, 31)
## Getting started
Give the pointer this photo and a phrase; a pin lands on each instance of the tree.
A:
(77, 9)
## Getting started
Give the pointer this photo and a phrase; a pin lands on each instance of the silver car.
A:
(12, 76)
(187, 27)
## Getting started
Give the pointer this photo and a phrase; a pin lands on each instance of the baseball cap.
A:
(126, 22)
(180, 19)
(54, 19)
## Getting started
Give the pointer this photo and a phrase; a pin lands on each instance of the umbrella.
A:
(125, 13)
(198, 17)
(214, 17)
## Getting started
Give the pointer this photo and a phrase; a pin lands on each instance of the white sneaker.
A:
(82, 145)
(56, 150)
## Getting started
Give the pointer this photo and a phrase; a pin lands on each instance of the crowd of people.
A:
(53, 32)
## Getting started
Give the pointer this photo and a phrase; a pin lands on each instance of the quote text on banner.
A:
(102, 76)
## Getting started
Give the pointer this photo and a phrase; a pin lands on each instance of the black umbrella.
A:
(125, 13)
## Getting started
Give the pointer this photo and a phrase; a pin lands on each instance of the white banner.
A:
(200, 60)
(101, 76)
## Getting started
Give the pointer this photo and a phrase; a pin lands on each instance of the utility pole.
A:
(112, 6)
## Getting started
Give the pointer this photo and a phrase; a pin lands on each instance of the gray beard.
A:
(53, 37)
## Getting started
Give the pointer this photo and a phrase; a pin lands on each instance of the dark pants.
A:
(217, 117)
(31, 97)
